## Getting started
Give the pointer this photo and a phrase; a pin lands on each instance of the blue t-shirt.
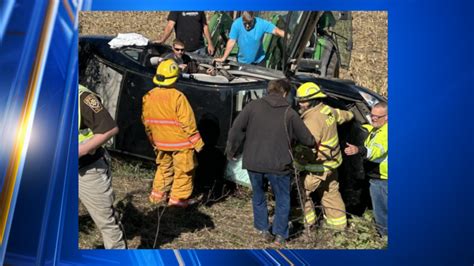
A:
(250, 42)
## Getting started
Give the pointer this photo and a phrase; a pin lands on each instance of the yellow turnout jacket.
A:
(169, 120)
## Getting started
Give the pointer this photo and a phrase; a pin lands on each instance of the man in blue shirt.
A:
(248, 31)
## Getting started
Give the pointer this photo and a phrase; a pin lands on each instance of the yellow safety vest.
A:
(377, 148)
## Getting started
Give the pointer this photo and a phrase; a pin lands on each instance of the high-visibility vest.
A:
(377, 148)
(84, 134)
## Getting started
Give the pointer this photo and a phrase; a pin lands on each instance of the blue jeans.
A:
(379, 195)
(281, 188)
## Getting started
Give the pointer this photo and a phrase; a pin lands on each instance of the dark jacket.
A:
(262, 126)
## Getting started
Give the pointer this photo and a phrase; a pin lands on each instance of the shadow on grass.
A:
(160, 222)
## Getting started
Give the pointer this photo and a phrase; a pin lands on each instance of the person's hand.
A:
(183, 66)
(351, 149)
(220, 59)
(210, 49)
(211, 71)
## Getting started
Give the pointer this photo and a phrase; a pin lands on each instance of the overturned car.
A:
(124, 75)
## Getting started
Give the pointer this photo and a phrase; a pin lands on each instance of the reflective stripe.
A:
(382, 151)
(369, 152)
(325, 110)
(166, 122)
(380, 146)
(310, 217)
(331, 142)
(331, 164)
(384, 168)
(379, 160)
(183, 144)
(337, 221)
(340, 120)
(84, 135)
(195, 138)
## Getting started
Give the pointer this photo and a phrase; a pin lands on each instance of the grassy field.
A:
(222, 221)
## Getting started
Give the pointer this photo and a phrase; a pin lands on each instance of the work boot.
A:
(182, 203)
(158, 197)
(267, 236)
(324, 224)
(279, 241)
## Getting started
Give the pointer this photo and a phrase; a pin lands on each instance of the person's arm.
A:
(96, 118)
(233, 37)
(237, 132)
(210, 45)
(167, 32)
(145, 124)
(343, 116)
(96, 141)
(301, 132)
(207, 35)
(228, 48)
(278, 32)
(187, 120)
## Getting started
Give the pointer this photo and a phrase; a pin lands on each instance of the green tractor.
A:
(312, 44)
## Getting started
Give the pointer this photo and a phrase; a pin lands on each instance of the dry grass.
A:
(368, 66)
(222, 224)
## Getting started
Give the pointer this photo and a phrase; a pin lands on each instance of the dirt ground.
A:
(368, 65)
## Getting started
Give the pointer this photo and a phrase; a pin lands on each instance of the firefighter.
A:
(96, 127)
(320, 166)
(375, 151)
(171, 128)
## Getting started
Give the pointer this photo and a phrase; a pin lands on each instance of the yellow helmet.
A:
(308, 91)
(166, 73)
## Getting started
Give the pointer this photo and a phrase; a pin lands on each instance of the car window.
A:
(132, 53)
(243, 97)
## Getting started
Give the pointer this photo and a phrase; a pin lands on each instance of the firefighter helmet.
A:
(308, 91)
(166, 73)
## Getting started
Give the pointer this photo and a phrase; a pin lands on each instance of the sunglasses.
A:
(377, 116)
(178, 49)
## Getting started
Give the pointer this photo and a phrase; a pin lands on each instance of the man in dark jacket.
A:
(269, 126)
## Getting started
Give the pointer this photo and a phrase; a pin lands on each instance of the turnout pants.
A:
(174, 173)
(333, 206)
(97, 195)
